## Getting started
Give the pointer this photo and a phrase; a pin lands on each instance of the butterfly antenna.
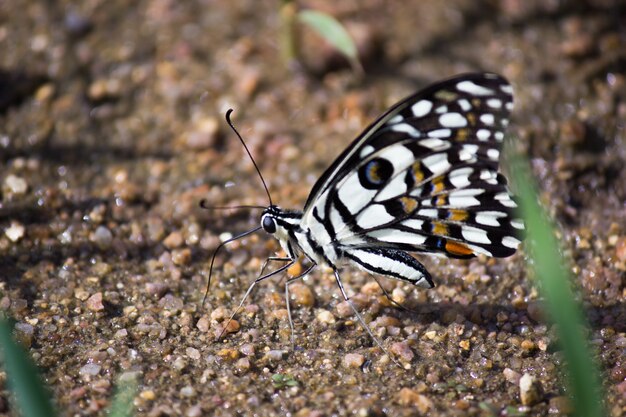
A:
(204, 205)
(230, 123)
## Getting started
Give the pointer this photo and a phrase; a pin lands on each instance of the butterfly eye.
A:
(268, 224)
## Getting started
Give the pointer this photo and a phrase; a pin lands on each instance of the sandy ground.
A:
(112, 131)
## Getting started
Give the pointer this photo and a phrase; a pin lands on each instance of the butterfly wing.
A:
(423, 177)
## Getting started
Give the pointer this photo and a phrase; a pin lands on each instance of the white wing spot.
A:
(460, 177)
(494, 103)
(441, 109)
(406, 128)
(461, 201)
(373, 216)
(505, 200)
(487, 118)
(504, 122)
(499, 136)
(437, 163)
(367, 149)
(506, 88)
(474, 234)
(493, 154)
(440, 133)
(398, 236)
(464, 104)
(452, 120)
(510, 242)
(421, 108)
(473, 88)
(434, 143)
(395, 119)
(518, 224)
(509, 105)
(413, 224)
(489, 218)
(432, 213)
(483, 134)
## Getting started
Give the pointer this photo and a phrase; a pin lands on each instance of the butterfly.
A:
(422, 178)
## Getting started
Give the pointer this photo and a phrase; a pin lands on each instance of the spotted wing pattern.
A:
(424, 178)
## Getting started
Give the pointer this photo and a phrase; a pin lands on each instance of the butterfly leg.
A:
(391, 300)
(289, 282)
(360, 318)
(256, 281)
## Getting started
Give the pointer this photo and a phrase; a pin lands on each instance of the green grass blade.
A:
(122, 404)
(334, 33)
(555, 284)
(32, 398)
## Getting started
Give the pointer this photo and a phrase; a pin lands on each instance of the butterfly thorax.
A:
(294, 237)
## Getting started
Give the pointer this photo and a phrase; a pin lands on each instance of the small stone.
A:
(90, 370)
(275, 355)
(403, 351)
(203, 324)
(243, 364)
(193, 353)
(326, 317)
(174, 240)
(247, 349)
(465, 344)
(94, 303)
(81, 294)
(147, 395)
(181, 257)
(187, 391)
(529, 390)
(353, 360)
(620, 248)
(194, 411)
(15, 232)
(203, 134)
(102, 237)
(528, 346)
(512, 376)
(409, 397)
(232, 326)
(560, 405)
(302, 295)
(14, 185)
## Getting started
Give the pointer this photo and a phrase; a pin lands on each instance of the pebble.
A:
(193, 353)
(247, 349)
(326, 317)
(89, 370)
(512, 376)
(187, 391)
(409, 397)
(181, 257)
(203, 134)
(231, 327)
(94, 303)
(353, 360)
(15, 232)
(203, 324)
(302, 295)
(560, 405)
(403, 351)
(275, 355)
(15, 186)
(173, 240)
(529, 389)
(102, 237)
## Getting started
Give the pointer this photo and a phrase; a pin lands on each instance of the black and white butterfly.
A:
(422, 178)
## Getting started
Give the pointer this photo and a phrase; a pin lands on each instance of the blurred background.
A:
(112, 131)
